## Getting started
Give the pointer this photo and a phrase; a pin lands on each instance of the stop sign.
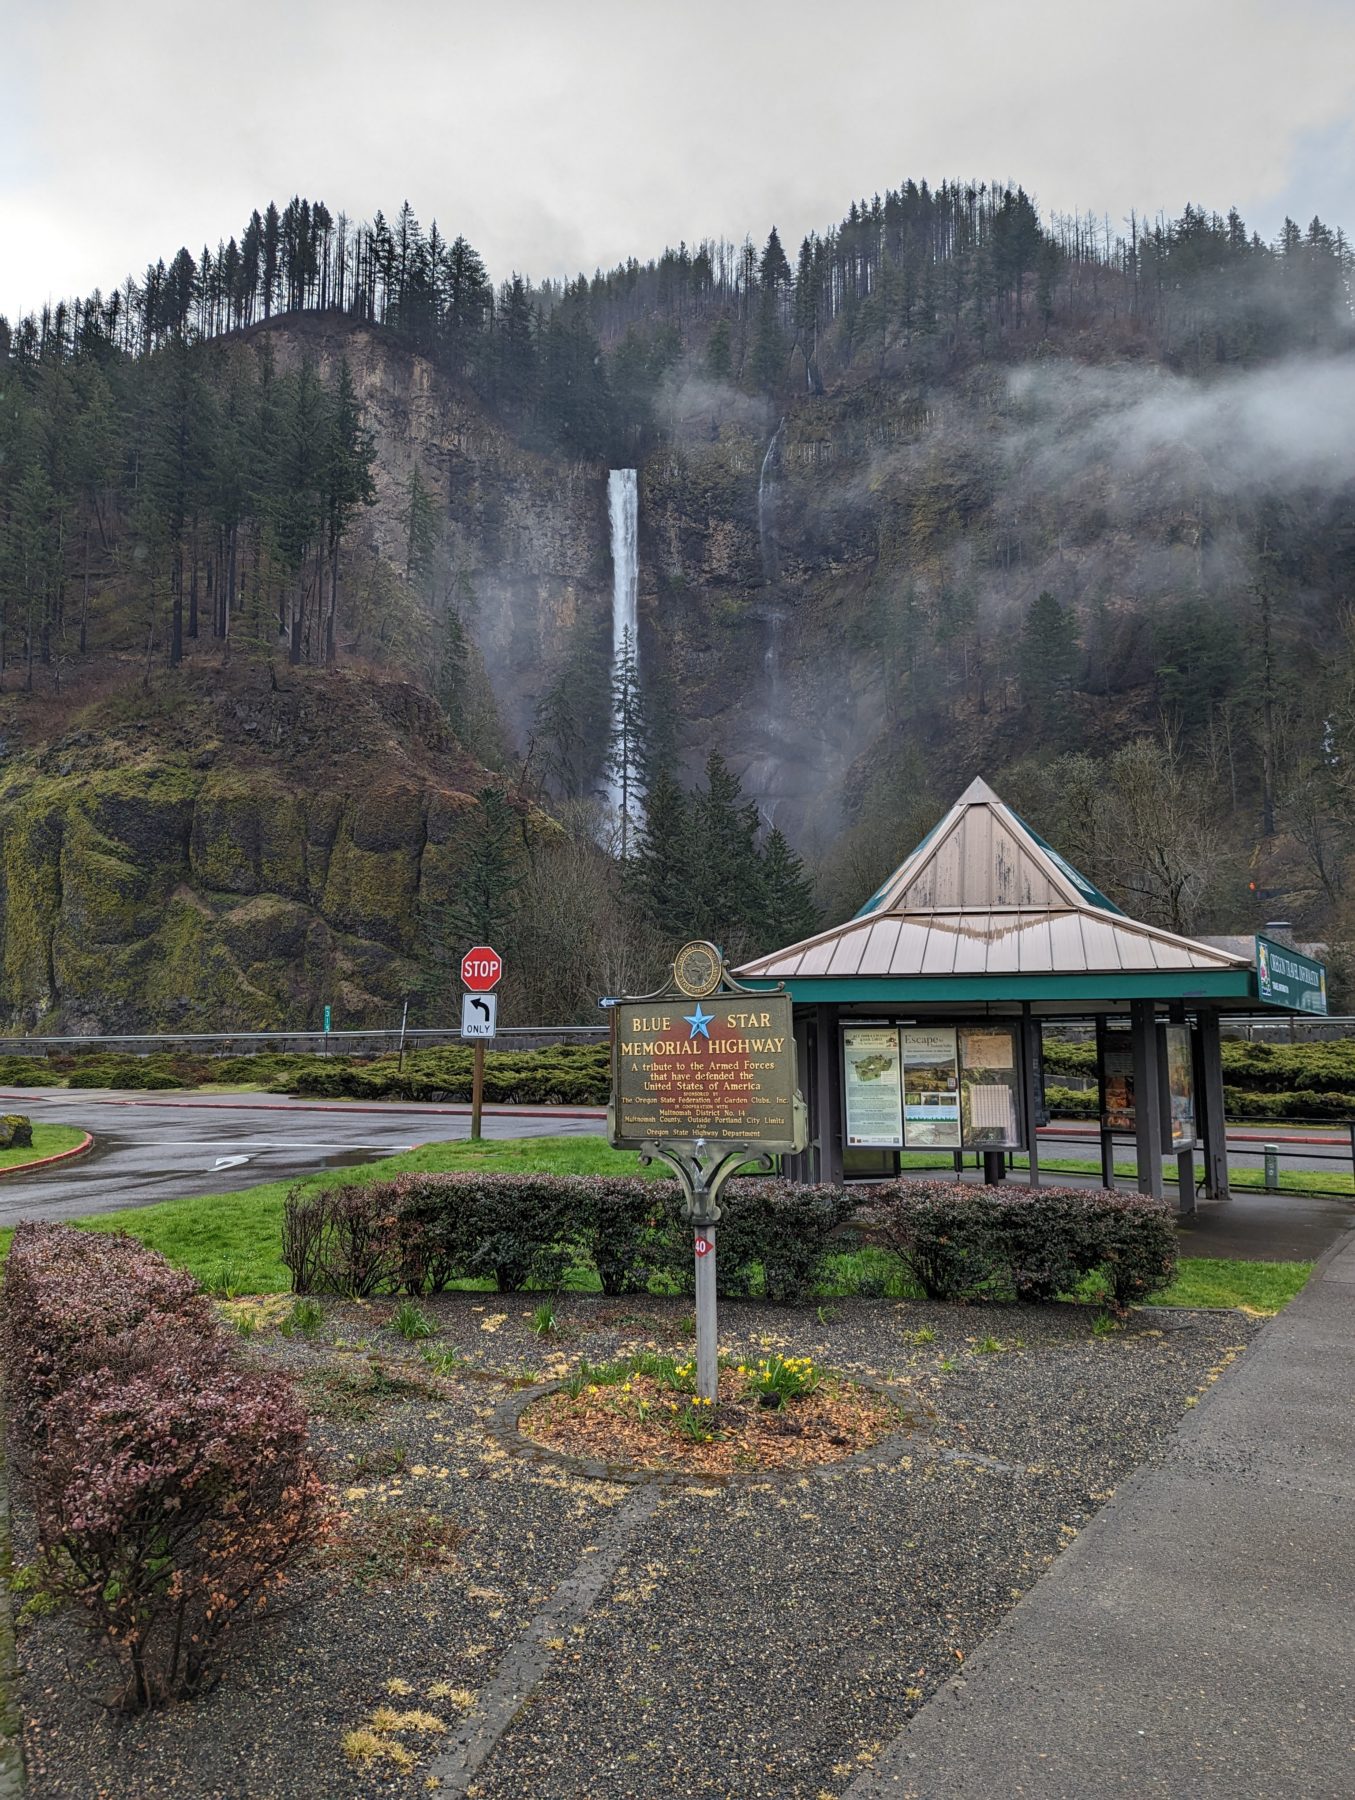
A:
(481, 968)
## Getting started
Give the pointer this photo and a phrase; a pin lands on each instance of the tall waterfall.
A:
(766, 506)
(623, 509)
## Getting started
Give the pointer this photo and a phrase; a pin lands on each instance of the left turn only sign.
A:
(479, 1015)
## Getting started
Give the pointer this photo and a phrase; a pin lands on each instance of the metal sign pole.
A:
(707, 1328)
(477, 1091)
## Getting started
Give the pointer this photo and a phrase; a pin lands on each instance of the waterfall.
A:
(766, 506)
(623, 508)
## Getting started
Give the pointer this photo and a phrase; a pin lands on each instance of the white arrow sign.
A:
(479, 1015)
(229, 1162)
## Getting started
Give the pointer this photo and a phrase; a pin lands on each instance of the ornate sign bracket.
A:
(702, 1172)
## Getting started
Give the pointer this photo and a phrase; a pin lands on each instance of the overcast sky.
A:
(559, 136)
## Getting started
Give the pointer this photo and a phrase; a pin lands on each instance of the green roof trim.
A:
(1161, 984)
(863, 912)
(1092, 895)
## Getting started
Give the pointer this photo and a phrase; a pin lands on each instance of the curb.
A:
(42, 1162)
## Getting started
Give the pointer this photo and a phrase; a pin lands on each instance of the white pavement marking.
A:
(525, 1664)
(229, 1162)
(280, 1144)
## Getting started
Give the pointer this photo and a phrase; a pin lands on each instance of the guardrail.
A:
(229, 1042)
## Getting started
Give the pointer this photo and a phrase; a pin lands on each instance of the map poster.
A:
(931, 1088)
(720, 1068)
(872, 1088)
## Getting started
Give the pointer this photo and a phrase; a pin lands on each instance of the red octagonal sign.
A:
(481, 968)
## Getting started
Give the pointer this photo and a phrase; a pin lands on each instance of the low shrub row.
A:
(171, 1487)
(415, 1234)
(567, 1075)
(959, 1242)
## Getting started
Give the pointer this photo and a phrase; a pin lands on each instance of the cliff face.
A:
(230, 856)
(752, 537)
(834, 599)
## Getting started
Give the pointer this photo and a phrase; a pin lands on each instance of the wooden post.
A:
(477, 1092)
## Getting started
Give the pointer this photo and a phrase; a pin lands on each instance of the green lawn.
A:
(231, 1241)
(48, 1140)
(1262, 1287)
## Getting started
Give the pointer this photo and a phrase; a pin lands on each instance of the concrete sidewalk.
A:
(1198, 1639)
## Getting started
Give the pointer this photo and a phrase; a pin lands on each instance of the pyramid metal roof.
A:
(984, 895)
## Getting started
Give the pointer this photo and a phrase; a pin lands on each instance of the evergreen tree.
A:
(719, 352)
(420, 518)
(788, 910)
(1047, 661)
(773, 268)
(725, 868)
(767, 364)
(484, 905)
(660, 875)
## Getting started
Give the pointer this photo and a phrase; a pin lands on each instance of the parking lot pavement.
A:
(150, 1148)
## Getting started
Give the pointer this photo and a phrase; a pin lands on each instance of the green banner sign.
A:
(1284, 978)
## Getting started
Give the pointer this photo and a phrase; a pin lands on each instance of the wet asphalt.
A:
(150, 1148)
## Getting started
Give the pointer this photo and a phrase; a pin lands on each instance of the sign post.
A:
(704, 1079)
(481, 972)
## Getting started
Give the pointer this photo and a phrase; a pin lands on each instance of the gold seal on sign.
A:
(696, 970)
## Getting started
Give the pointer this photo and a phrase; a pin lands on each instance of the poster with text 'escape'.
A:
(931, 1088)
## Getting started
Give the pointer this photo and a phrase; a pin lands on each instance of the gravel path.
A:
(758, 1642)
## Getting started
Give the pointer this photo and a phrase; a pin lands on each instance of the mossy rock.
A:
(16, 1133)
(248, 837)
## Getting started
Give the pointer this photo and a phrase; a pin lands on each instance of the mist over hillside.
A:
(322, 515)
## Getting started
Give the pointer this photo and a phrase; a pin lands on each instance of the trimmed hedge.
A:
(414, 1234)
(567, 1075)
(171, 1487)
(959, 1242)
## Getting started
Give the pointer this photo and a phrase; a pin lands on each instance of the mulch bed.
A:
(764, 1638)
(640, 1428)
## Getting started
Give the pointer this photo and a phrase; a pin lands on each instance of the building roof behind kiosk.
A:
(983, 894)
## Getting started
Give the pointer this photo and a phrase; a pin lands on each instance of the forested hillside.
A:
(306, 609)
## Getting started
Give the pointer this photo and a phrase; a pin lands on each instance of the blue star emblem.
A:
(699, 1022)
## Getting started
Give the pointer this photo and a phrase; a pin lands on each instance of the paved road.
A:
(1198, 1638)
(156, 1148)
(1323, 1151)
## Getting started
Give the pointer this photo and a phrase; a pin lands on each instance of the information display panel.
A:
(872, 1087)
(989, 1077)
(931, 1088)
(1180, 1086)
(1117, 1078)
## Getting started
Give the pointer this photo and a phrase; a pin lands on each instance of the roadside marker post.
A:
(709, 1093)
(481, 972)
